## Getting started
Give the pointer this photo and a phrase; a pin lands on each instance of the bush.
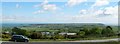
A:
(59, 37)
(5, 36)
(81, 34)
(108, 31)
(96, 31)
(35, 35)
(18, 31)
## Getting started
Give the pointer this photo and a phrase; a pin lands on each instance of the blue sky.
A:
(67, 11)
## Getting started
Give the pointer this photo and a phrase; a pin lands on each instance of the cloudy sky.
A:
(64, 11)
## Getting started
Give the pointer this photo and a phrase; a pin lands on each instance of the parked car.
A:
(19, 38)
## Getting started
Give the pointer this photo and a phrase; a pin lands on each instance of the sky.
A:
(64, 11)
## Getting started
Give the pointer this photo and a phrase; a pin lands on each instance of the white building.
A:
(45, 33)
(71, 33)
(64, 33)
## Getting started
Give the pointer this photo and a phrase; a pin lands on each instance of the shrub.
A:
(108, 31)
(5, 36)
(81, 33)
(59, 37)
(35, 35)
(18, 31)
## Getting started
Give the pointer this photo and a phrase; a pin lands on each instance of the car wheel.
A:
(15, 40)
(26, 40)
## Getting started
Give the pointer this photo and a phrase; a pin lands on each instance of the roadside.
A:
(105, 40)
(113, 42)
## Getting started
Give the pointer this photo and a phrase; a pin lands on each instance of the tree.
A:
(81, 33)
(109, 27)
(96, 31)
(18, 31)
(59, 36)
(35, 35)
(86, 30)
(108, 31)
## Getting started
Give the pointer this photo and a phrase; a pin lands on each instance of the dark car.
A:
(19, 38)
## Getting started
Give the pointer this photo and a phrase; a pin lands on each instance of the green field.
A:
(38, 29)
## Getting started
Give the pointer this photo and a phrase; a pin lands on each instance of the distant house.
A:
(45, 33)
(65, 33)
(71, 33)
(39, 26)
(6, 32)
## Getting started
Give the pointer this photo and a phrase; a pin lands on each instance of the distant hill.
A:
(13, 25)
(47, 24)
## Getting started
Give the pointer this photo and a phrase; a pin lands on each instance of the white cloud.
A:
(21, 19)
(91, 12)
(8, 18)
(108, 15)
(83, 11)
(18, 6)
(71, 3)
(100, 3)
(112, 10)
(109, 11)
(46, 7)
(43, 3)
(50, 7)
(109, 20)
(39, 11)
(111, 15)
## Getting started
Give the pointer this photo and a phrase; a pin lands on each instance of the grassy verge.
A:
(76, 39)
(90, 38)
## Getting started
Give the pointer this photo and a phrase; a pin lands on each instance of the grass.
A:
(38, 29)
(90, 38)
(76, 39)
